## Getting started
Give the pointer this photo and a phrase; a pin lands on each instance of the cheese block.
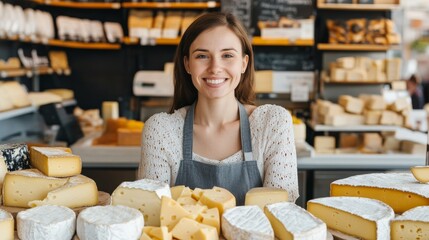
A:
(324, 144)
(400, 191)
(400, 104)
(16, 156)
(109, 223)
(42, 98)
(421, 173)
(375, 102)
(5, 103)
(179, 191)
(346, 62)
(344, 120)
(23, 186)
(195, 211)
(158, 233)
(211, 217)
(349, 140)
(16, 93)
(110, 110)
(186, 201)
(360, 217)
(391, 144)
(262, 196)
(413, 148)
(3, 171)
(6, 225)
(389, 118)
(144, 195)
(171, 212)
(412, 224)
(219, 198)
(372, 142)
(186, 227)
(393, 68)
(205, 234)
(351, 104)
(65, 94)
(246, 222)
(46, 222)
(372, 117)
(79, 191)
(290, 221)
(55, 162)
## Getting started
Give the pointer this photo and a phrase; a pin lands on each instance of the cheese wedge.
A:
(263, 196)
(219, 198)
(421, 173)
(24, 186)
(290, 221)
(186, 227)
(398, 190)
(55, 162)
(6, 225)
(412, 224)
(171, 212)
(79, 191)
(144, 195)
(211, 217)
(360, 217)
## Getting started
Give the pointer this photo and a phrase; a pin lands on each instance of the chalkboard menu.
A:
(242, 9)
(284, 62)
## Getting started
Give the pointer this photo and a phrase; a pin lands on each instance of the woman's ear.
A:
(186, 64)
(244, 64)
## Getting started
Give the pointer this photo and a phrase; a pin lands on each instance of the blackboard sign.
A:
(272, 10)
(242, 9)
(284, 62)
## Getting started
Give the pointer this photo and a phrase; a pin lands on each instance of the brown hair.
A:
(184, 91)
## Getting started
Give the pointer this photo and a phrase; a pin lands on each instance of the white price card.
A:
(299, 92)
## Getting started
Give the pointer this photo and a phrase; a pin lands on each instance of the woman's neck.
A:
(217, 112)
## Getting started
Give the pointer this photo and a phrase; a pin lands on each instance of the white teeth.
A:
(215, 81)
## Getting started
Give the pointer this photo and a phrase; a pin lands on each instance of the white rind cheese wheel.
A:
(110, 223)
(290, 220)
(46, 222)
(412, 224)
(350, 215)
(6, 225)
(246, 222)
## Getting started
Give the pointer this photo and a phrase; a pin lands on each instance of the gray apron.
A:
(238, 178)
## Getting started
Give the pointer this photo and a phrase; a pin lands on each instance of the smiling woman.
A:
(214, 135)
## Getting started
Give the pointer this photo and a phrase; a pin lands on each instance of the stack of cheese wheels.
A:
(412, 224)
(110, 223)
(54, 180)
(350, 215)
(46, 222)
(401, 191)
(6, 225)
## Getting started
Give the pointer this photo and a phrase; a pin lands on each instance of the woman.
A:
(214, 135)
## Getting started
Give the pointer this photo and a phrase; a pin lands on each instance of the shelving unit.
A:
(30, 109)
(258, 41)
(172, 5)
(83, 45)
(356, 47)
(358, 7)
(89, 5)
(354, 128)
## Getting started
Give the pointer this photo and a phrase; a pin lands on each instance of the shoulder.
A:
(166, 120)
(270, 112)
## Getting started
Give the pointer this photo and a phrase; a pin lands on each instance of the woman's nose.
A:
(215, 66)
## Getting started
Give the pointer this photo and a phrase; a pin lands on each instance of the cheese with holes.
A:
(158, 233)
(187, 227)
(195, 211)
(144, 195)
(246, 222)
(400, 191)
(205, 234)
(6, 225)
(24, 186)
(180, 191)
(412, 224)
(171, 212)
(55, 162)
(219, 198)
(359, 217)
(16, 156)
(421, 173)
(46, 222)
(262, 196)
(79, 191)
(290, 221)
(211, 217)
(109, 223)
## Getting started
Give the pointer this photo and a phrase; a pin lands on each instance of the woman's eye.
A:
(201, 56)
(228, 55)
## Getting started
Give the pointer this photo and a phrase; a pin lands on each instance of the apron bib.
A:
(238, 178)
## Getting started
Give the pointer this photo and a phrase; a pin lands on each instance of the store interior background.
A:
(99, 75)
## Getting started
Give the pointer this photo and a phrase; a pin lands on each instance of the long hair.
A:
(185, 92)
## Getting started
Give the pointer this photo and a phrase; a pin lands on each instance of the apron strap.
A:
(245, 137)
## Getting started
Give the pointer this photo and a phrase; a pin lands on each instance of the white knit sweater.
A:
(272, 144)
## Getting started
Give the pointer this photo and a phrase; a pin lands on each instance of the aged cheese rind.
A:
(400, 191)
(109, 223)
(55, 162)
(290, 221)
(412, 224)
(46, 222)
(350, 215)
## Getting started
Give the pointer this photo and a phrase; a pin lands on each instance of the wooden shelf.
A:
(258, 41)
(355, 47)
(83, 45)
(358, 7)
(353, 128)
(179, 5)
(10, 73)
(30, 109)
(89, 5)
(157, 41)
(357, 83)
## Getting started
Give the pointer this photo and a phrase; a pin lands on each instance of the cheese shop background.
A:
(105, 60)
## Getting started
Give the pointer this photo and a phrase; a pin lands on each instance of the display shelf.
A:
(358, 7)
(89, 5)
(259, 41)
(355, 83)
(176, 5)
(10, 73)
(30, 109)
(83, 45)
(391, 161)
(356, 47)
(156, 41)
(354, 128)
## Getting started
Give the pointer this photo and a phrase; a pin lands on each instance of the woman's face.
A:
(216, 63)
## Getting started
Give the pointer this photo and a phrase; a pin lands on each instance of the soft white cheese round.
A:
(110, 223)
(46, 222)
